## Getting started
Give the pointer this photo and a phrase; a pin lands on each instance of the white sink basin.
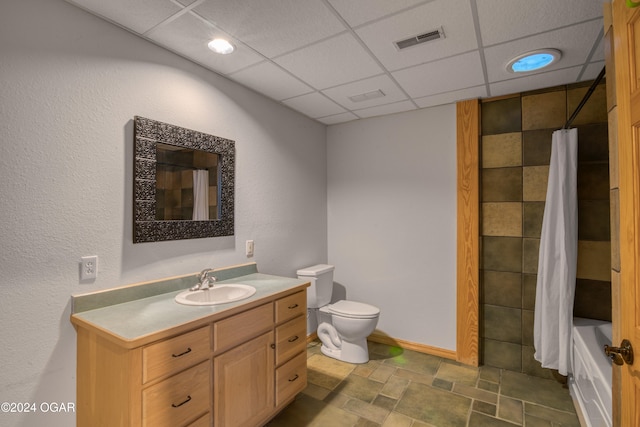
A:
(219, 294)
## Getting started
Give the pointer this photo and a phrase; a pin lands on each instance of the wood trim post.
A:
(468, 231)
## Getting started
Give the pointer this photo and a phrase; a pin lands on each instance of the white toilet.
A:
(345, 325)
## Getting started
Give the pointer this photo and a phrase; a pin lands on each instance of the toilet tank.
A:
(321, 278)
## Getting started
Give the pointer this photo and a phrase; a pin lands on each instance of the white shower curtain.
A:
(558, 257)
(200, 195)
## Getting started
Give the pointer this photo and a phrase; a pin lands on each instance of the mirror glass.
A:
(184, 183)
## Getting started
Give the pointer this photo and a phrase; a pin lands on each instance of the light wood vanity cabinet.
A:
(234, 371)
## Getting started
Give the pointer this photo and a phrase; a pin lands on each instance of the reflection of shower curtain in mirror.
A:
(200, 195)
(557, 264)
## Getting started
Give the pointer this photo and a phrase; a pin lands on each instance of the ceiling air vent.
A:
(436, 34)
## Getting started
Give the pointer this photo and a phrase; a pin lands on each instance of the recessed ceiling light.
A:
(221, 46)
(534, 60)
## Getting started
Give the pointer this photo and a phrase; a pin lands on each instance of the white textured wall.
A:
(392, 220)
(70, 85)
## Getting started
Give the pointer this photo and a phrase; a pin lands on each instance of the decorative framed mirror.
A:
(183, 183)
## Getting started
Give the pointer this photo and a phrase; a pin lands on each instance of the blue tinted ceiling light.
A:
(532, 61)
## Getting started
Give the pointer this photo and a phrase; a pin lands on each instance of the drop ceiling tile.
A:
(188, 35)
(271, 80)
(273, 27)
(574, 42)
(502, 20)
(333, 62)
(357, 12)
(341, 94)
(452, 97)
(338, 118)
(454, 16)
(314, 105)
(138, 16)
(537, 81)
(381, 110)
(436, 77)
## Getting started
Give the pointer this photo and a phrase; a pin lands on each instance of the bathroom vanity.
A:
(153, 362)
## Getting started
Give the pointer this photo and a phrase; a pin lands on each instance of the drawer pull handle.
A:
(291, 307)
(295, 377)
(183, 353)
(293, 339)
(181, 403)
(273, 346)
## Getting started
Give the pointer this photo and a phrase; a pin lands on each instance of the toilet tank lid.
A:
(354, 309)
(315, 270)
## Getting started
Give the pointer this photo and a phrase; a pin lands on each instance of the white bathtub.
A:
(590, 382)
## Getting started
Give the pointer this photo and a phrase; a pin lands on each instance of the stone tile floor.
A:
(403, 388)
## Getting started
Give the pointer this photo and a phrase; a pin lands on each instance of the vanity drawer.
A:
(178, 399)
(238, 329)
(291, 306)
(291, 378)
(175, 354)
(291, 338)
(204, 421)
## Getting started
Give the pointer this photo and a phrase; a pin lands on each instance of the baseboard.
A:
(420, 348)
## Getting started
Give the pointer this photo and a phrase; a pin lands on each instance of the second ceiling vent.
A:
(433, 35)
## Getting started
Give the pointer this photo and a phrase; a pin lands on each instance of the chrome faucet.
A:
(206, 281)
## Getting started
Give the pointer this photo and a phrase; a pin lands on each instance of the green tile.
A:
(531, 366)
(592, 299)
(502, 185)
(557, 417)
(532, 214)
(484, 407)
(385, 402)
(593, 181)
(540, 391)
(502, 254)
(593, 143)
(529, 291)
(530, 252)
(481, 420)
(503, 323)
(536, 147)
(501, 116)
(457, 373)
(502, 288)
(443, 384)
(434, 406)
(488, 386)
(502, 354)
(527, 327)
(593, 220)
(306, 411)
(360, 388)
(510, 409)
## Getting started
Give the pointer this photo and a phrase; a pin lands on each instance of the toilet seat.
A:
(352, 309)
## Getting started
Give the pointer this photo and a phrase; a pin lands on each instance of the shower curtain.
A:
(200, 195)
(558, 255)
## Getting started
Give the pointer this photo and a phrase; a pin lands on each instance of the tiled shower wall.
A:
(516, 147)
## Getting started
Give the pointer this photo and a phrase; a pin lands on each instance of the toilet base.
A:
(350, 352)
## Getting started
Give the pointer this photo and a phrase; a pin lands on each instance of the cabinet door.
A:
(243, 383)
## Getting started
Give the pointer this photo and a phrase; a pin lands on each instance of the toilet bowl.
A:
(343, 327)
(345, 338)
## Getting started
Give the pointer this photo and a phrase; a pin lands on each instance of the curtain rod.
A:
(585, 98)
